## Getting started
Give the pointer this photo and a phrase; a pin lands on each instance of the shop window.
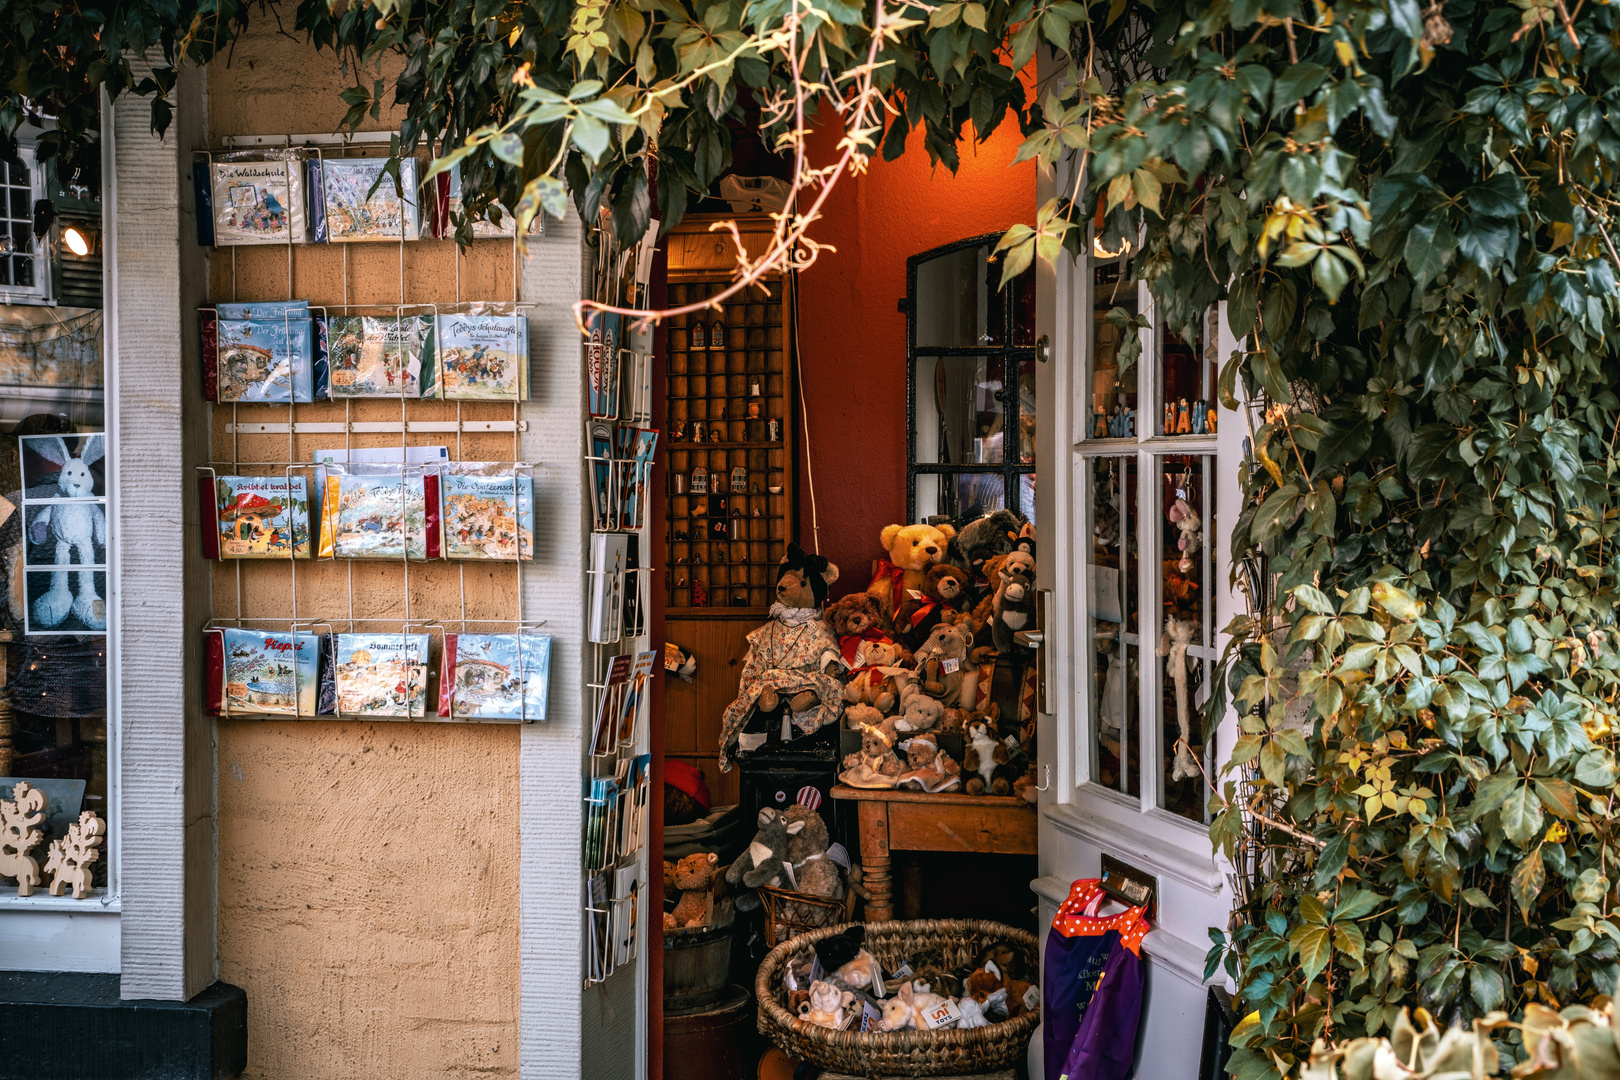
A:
(24, 275)
(1146, 508)
(971, 344)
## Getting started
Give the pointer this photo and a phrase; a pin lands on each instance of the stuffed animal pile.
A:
(843, 986)
(904, 659)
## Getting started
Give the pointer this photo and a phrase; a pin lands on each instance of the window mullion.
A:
(1148, 624)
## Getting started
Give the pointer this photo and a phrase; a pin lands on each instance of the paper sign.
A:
(942, 1015)
(1032, 998)
(871, 1016)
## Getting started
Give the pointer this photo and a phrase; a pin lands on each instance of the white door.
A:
(1127, 569)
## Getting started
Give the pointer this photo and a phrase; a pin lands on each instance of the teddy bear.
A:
(929, 768)
(953, 721)
(761, 862)
(999, 571)
(912, 549)
(789, 661)
(874, 765)
(921, 713)
(942, 665)
(694, 876)
(985, 761)
(876, 680)
(982, 539)
(855, 619)
(946, 588)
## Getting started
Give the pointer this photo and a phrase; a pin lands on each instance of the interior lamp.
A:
(74, 239)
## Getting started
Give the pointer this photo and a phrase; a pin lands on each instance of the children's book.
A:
(354, 212)
(380, 512)
(377, 455)
(370, 356)
(486, 515)
(270, 360)
(640, 673)
(251, 671)
(495, 676)
(259, 517)
(480, 356)
(258, 198)
(610, 703)
(602, 475)
(608, 555)
(382, 674)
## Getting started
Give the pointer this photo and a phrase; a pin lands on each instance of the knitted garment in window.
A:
(1093, 988)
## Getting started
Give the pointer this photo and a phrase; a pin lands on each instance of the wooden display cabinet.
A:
(730, 475)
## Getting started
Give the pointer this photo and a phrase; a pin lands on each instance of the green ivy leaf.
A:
(1521, 816)
(1314, 944)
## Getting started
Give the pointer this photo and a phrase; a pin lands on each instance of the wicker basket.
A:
(788, 913)
(899, 1053)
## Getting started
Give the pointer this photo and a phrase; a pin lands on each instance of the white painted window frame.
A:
(40, 294)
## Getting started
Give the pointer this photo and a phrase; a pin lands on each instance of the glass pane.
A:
(1112, 619)
(1187, 375)
(1113, 375)
(960, 496)
(22, 273)
(960, 414)
(19, 204)
(955, 295)
(1185, 632)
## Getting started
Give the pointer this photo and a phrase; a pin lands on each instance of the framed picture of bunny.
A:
(64, 503)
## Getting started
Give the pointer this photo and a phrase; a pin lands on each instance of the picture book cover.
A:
(634, 475)
(610, 703)
(495, 676)
(369, 356)
(263, 310)
(270, 360)
(381, 515)
(640, 672)
(608, 563)
(354, 212)
(382, 674)
(258, 198)
(251, 671)
(487, 516)
(481, 356)
(262, 517)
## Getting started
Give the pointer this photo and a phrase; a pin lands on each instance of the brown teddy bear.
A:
(943, 670)
(874, 765)
(928, 767)
(874, 681)
(694, 876)
(912, 550)
(922, 712)
(856, 618)
(946, 588)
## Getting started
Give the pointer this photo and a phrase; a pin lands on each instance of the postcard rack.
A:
(420, 594)
(620, 664)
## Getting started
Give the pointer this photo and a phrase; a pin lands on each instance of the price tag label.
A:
(949, 664)
(943, 1015)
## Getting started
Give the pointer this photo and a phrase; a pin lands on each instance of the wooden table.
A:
(916, 821)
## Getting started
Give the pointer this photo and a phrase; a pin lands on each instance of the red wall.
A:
(852, 335)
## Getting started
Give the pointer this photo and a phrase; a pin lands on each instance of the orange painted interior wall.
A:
(852, 335)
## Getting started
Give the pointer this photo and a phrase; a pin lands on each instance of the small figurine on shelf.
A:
(757, 512)
(1099, 423)
(1199, 409)
(700, 595)
(697, 431)
(1130, 423)
(1169, 418)
(774, 484)
(1116, 422)
(717, 332)
(739, 600)
(20, 819)
(1209, 418)
(1183, 418)
(700, 481)
(699, 336)
(70, 857)
(739, 480)
(679, 434)
(773, 428)
(754, 407)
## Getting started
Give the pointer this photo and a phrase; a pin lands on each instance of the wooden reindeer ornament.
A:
(70, 857)
(19, 833)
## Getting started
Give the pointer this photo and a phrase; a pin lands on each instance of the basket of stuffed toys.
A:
(930, 997)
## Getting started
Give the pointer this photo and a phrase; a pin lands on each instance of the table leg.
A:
(875, 861)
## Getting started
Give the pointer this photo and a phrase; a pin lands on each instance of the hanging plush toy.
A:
(1173, 642)
(1185, 518)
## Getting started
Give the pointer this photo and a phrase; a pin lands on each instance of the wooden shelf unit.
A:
(722, 544)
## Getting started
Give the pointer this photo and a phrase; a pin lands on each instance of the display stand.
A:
(323, 594)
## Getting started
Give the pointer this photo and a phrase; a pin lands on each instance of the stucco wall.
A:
(368, 873)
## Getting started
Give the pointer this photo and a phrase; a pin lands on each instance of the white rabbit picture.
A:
(67, 535)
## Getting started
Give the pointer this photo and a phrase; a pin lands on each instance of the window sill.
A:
(97, 903)
(1154, 841)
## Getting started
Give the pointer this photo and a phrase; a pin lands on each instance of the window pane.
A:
(22, 270)
(960, 414)
(1113, 374)
(1112, 621)
(19, 204)
(960, 495)
(955, 295)
(1187, 375)
(1185, 632)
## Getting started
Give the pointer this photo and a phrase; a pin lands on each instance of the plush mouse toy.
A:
(946, 588)
(789, 659)
(813, 872)
(761, 863)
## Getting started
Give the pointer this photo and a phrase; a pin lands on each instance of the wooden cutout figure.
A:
(70, 857)
(19, 833)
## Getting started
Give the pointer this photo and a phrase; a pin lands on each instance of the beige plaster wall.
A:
(368, 873)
